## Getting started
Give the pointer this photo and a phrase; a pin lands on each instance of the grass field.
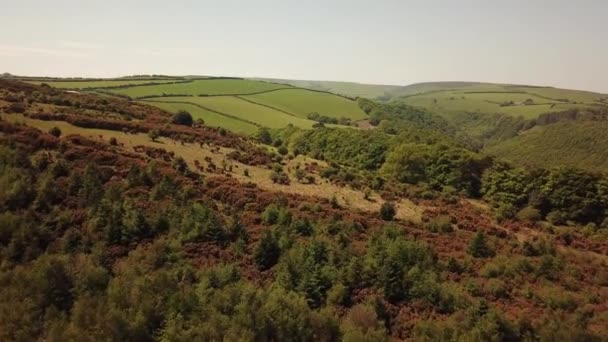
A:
(447, 98)
(351, 89)
(238, 105)
(97, 84)
(447, 102)
(575, 144)
(264, 116)
(211, 119)
(201, 87)
(302, 102)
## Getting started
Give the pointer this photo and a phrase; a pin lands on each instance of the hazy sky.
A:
(559, 43)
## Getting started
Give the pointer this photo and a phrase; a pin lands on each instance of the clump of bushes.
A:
(440, 224)
(183, 118)
(387, 211)
(529, 213)
(55, 131)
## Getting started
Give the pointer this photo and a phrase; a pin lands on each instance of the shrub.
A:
(282, 150)
(267, 252)
(338, 295)
(154, 134)
(504, 212)
(113, 141)
(55, 131)
(16, 107)
(440, 224)
(556, 217)
(387, 211)
(497, 288)
(529, 213)
(183, 118)
(279, 177)
(479, 247)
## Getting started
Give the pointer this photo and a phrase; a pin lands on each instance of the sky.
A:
(539, 42)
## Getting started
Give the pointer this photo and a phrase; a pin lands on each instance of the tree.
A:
(263, 136)
(267, 252)
(183, 118)
(387, 211)
(479, 247)
(55, 131)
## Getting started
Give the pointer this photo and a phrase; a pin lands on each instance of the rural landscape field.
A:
(303, 171)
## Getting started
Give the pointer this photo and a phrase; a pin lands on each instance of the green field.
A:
(581, 144)
(211, 119)
(447, 102)
(247, 111)
(302, 102)
(236, 104)
(351, 89)
(97, 84)
(447, 98)
(201, 87)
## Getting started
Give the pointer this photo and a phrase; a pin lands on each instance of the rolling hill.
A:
(497, 117)
(109, 232)
(239, 105)
(582, 144)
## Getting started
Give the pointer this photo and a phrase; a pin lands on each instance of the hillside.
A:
(511, 100)
(581, 144)
(494, 118)
(120, 222)
(239, 105)
(351, 89)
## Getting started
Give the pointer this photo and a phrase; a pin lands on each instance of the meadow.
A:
(211, 118)
(302, 102)
(512, 100)
(351, 89)
(239, 105)
(200, 87)
(87, 84)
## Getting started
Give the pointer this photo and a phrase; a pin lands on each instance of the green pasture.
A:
(211, 119)
(200, 87)
(302, 102)
(97, 84)
(244, 110)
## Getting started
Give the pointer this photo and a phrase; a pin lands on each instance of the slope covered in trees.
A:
(101, 242)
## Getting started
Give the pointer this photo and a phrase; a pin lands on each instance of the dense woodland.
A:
(98, 242)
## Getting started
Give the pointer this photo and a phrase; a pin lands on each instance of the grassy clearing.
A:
(201, 87)
(264, 116)
(211, 119)
(346, 196)
(97, 84)
(574, 144)
(302, 102)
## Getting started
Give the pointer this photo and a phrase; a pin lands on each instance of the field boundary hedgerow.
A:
(265, 105)
(208, 109)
